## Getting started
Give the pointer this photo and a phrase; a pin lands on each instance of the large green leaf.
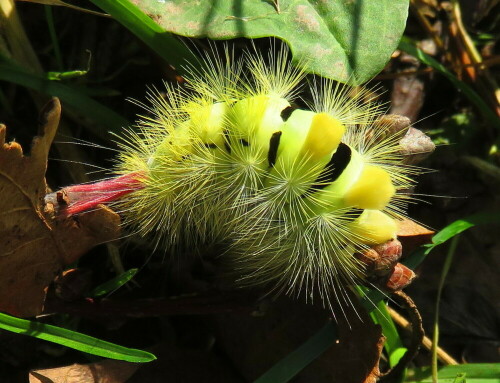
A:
(344, 40)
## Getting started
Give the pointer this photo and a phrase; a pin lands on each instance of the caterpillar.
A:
(293, 192)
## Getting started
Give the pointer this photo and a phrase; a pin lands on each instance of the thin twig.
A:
(442, 355)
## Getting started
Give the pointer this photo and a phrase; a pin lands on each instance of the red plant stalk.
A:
(84, 197)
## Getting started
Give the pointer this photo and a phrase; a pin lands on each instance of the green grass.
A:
(73, 339)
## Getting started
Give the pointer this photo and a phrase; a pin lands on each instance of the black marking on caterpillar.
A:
(354, 213)
(274, 143)
(227, 144)
(287, 112)
(333, 170)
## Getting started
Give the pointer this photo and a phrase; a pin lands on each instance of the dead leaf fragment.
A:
(34, 245)
(410, 228)
(412, 234)
(107, 371)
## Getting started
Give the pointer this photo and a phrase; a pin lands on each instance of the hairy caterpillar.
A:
(293, 192)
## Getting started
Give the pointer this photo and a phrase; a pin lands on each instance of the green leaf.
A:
(73, 339)
(58, 76)
(461, 225)
(113, 284)
(476, 373)
(294, 362)
(460, 378)
(449, 232)
(435, 333)
(350, 41)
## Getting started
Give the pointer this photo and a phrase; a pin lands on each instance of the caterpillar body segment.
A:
(293, 192)
(362, 193)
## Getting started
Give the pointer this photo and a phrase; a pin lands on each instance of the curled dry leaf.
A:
(393, 123)
(416, 146)
(34, 245)
(379, 260)
(383, 269)
(400, 278)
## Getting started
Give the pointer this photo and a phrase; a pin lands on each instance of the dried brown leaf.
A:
(34, 245)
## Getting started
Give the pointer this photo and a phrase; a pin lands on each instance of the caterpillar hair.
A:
(293, 192)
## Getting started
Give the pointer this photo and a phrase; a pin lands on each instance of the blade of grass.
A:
(294, 362)
(53, 36)
(160, 41)
(393, 344)
(73, 339)
(113, 284)
(58, 3)
(381, 316)
(407, 46)
(435, 335)
(101, 115)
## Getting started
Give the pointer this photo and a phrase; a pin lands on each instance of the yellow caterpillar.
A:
(293, 192)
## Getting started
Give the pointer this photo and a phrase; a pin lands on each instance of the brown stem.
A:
(185, 305)
(416, 339)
